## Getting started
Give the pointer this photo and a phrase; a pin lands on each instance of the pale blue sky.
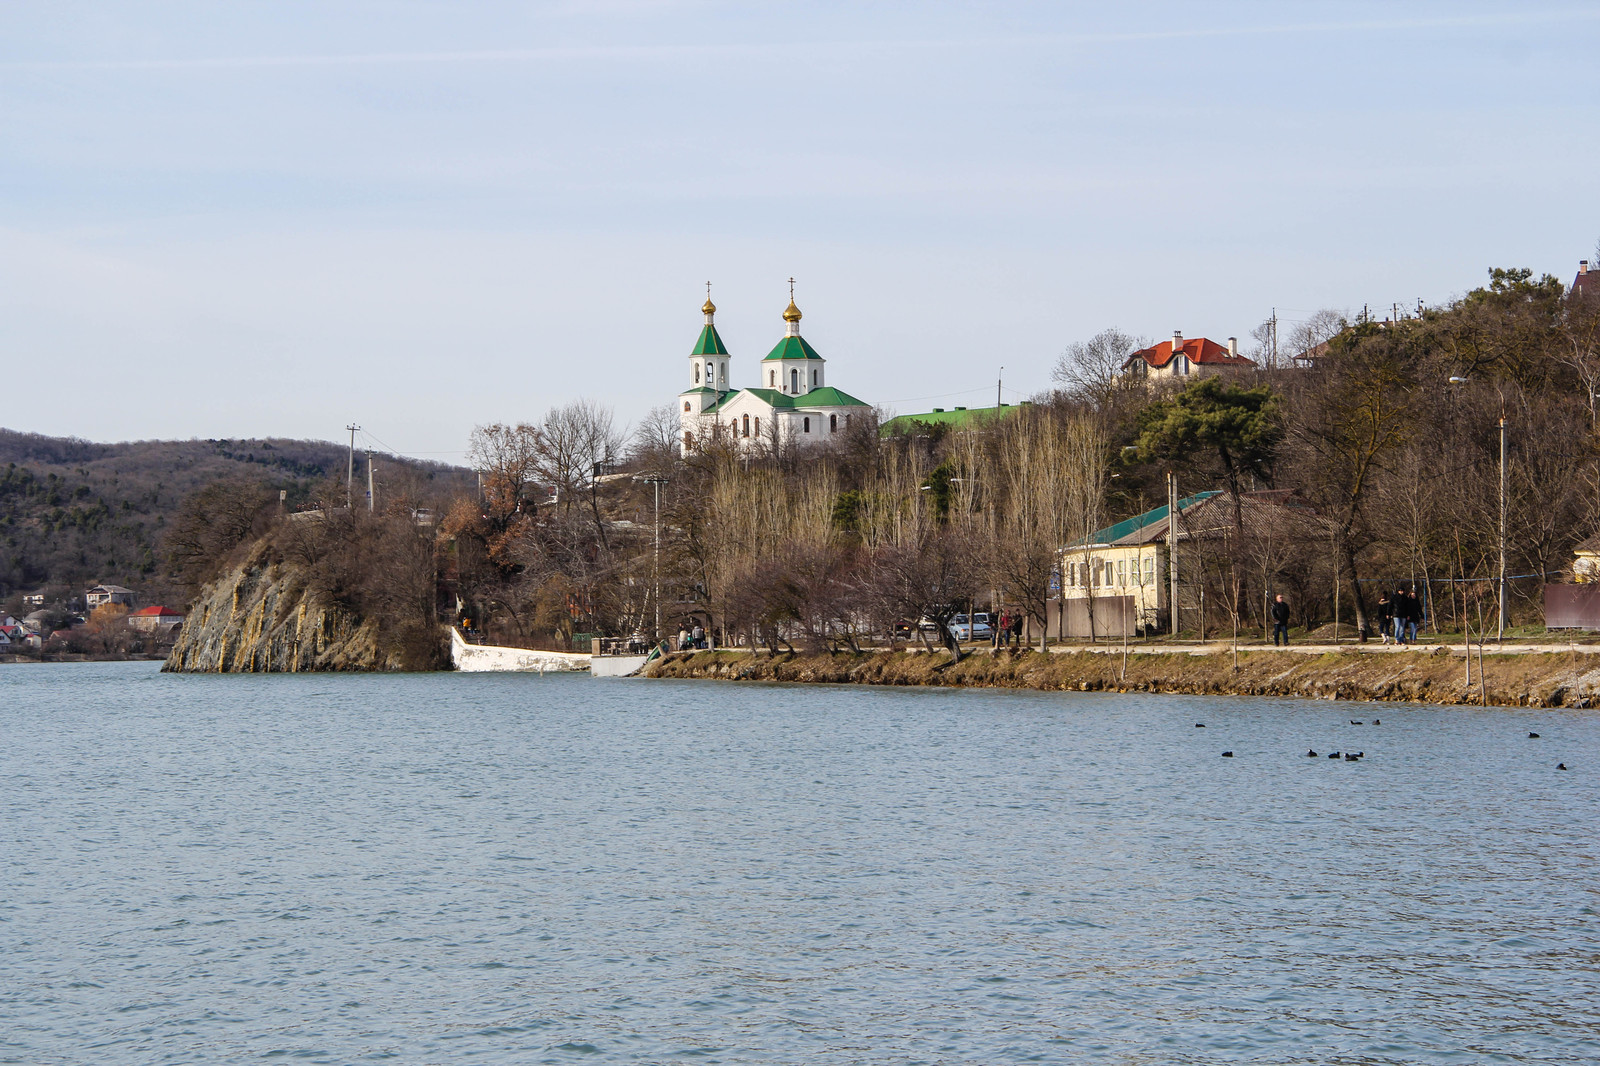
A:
(226, 220)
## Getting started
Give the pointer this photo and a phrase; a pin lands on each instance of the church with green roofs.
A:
(793, 404)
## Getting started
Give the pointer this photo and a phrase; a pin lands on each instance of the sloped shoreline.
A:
(1552, 679)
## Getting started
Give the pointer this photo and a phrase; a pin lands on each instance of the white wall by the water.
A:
(482, 657)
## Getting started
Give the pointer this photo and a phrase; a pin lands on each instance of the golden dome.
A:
(709, 308)
(791, 313)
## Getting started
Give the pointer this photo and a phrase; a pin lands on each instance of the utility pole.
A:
(1500, 633)
(997, 382)
(350, 471)
(1172, 546)
(1274, 338)
(655, 481)
(372, 499)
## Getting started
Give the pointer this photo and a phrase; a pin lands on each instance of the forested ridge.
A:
(75, 512)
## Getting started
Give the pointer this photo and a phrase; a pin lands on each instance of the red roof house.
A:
(1179, 358)
(1587, 283)
(151, 619)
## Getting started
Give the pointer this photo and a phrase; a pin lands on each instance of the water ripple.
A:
(500, 869)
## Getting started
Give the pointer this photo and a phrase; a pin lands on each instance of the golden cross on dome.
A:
(708, 290)
(791, 290)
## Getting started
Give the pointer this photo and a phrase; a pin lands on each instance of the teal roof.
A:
(710, 343)
(702, 388)
(1112, 534)
(825, 397)
(793, 348)
(954, 418)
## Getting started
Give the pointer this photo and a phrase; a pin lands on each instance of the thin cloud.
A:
(625, 53)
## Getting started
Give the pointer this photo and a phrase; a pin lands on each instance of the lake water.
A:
(513, 869)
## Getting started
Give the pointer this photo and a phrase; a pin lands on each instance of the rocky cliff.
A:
(262, 616)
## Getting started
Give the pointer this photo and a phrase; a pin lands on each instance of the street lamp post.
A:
(972, 623)
(1500, 633)
(655, 481)
(1500, 606)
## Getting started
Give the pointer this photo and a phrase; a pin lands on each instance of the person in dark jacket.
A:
(1280, 621)
(1413, 616)
(1386, 608)
(1016, 628)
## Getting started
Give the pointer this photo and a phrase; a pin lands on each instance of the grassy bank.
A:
(1556, 679)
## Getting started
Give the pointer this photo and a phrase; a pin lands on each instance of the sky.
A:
(274, 219)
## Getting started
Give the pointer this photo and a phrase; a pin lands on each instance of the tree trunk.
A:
(1355, 589)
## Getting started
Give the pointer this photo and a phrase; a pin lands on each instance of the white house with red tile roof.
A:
(1179, 359)
(155, 619)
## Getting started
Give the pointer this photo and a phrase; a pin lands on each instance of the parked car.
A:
(976, 627)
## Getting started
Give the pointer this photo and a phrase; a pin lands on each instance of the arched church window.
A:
(833, 423)
(772, 379)
(697, 373)
(747, 425)
(686, 406)
(813, 379)
(758, 425)
(688, 438)
(794, 381)
(808, 426)
(722, 372)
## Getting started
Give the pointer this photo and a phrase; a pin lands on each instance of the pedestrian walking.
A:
(1385, 615)
(1398, 622)
(697, 639)
(1413, 616)
(1016, 628)
(1280, 621)
(683, 638)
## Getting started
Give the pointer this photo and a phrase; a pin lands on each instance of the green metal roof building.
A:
(953, 418)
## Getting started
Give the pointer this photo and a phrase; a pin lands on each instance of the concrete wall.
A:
(481, 657)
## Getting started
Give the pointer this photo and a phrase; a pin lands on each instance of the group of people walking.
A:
(1399, 615)
(1008, 628)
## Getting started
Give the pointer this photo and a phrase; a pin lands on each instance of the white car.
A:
(976, 627)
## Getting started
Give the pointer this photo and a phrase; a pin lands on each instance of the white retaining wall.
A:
(480, 657)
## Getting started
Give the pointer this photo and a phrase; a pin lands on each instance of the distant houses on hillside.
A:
(102, 594)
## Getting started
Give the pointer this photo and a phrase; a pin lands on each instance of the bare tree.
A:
(1052, 468)
(1321, 327)
(1092, 369)
(508, 458)
(655, 439)
(575, 443)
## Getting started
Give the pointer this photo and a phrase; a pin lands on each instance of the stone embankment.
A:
(1540, 679)
(260, 617)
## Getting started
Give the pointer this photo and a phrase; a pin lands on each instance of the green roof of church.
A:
(793, 348)
(824, 397)
(710, 343)
(828, 397)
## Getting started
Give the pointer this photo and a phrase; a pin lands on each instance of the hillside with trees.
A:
(1373, 453)
(74, 513)
(1385, 434)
